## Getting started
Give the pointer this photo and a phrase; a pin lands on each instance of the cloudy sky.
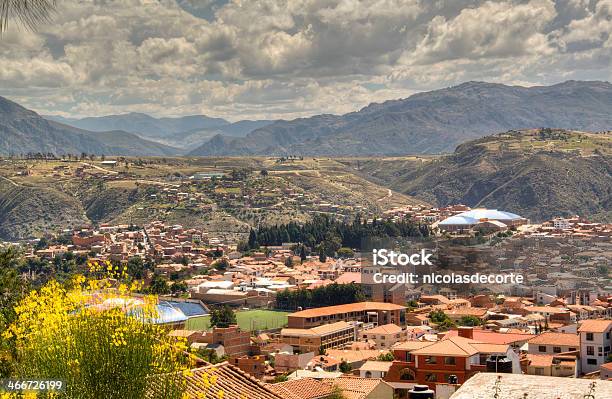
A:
(242, 59)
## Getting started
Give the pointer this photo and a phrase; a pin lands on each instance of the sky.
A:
(268, 59)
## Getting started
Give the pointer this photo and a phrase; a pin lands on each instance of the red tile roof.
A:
(305, 388)
(349, 307)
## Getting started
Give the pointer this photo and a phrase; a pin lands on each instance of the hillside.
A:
(429, 123)
(536, 173)
(40, 197)
(24, 131)
(22, 215)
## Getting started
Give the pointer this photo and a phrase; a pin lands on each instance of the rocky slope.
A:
(536, 173)
(428, 123)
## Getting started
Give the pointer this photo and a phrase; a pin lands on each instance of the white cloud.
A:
(290, 58)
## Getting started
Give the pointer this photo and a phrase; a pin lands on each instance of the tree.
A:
(29, 13)
(136, 268)
(469, 321)
(322, 256)
(442, 320)
(159, 285)
(386, 357)
(222, 264)
(345, 367)
(303, 254)
(253, 244)
(12, 290)
(222, 317)
(345, 252)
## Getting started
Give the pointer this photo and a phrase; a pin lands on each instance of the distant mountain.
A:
(185, 132)
(429, 123)
(539, 174)
(23, 131)
(142, 124)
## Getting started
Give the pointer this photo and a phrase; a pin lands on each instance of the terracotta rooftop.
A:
(353, 387)
(208, 381)
(540, 360)
(354, 356)
(317, 331)
(459, 346)
(304, 388)
(554, 338)
(375, 365)
(492, 337)
(384, 329)
(349, 307)
(595, 326)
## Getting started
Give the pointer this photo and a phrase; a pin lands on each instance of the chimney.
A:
(466, 332)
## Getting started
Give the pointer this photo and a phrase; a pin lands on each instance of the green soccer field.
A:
(250, 320)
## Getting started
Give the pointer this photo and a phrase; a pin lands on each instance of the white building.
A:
(595, 343)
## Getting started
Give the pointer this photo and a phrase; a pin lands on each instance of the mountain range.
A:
(185, 133)
(428, 123)
(425, 123)
(24, 131)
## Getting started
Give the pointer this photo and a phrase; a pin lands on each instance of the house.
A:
(595, 343)
(374, 369)
(554, 343)
(235, 341)
(551, 365)
(384, 336)
(605, 371)
(451, 360)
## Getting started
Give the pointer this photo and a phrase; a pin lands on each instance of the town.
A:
(304, 321)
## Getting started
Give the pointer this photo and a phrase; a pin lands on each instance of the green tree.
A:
(12, 290)
(222, 264)
(136, 267)
(253, 244)
(345, 252)
(469, 321)
(159, 285)
(345, 367)
(386, 357)
(222, 316)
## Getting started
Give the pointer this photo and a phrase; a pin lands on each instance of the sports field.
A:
(250, 320)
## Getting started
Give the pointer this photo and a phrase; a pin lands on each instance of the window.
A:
(430, 360)
(608, 335)
(539, 371)
(449, 360)
(542, 348)
(592, 361)
(408, 357)
(431, 377)
(407, 375)
(572, 349)
(368, 374)
(589, 336)
(590, 351)
(557, 349)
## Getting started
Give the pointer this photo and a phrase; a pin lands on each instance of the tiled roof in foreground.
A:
(208, 381)
(513, 386)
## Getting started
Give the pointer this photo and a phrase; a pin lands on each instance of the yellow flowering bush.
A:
(99, 339)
